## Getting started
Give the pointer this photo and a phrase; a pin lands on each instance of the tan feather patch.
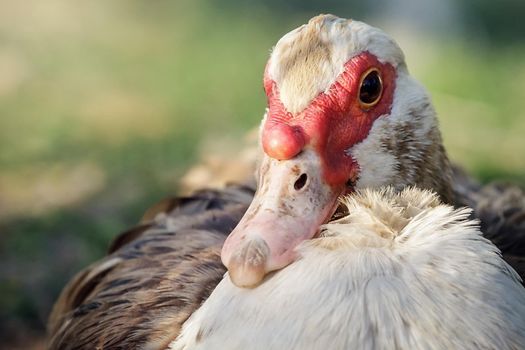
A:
(303, 63)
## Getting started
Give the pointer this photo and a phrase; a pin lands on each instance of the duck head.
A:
(343, 113)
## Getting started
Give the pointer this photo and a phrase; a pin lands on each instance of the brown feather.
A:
(154, 279)
(500, 207)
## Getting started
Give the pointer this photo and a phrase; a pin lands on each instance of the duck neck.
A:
(417, 146)
(433, 170)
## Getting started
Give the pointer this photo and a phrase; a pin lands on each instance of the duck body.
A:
(160, 272)
(331, 129)
(401, 271)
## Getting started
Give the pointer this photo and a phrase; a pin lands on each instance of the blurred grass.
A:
(103, 105)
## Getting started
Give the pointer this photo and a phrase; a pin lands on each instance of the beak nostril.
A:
(301, 181)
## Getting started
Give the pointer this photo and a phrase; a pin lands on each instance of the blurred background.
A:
(105, 104)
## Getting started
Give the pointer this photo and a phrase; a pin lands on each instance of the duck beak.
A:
(291, 203)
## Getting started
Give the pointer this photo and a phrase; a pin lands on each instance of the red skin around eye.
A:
(332, 123)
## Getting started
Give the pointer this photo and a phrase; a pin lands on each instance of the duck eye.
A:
(370, 89)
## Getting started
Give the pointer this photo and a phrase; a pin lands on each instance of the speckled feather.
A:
(154, 278)
(501, 209)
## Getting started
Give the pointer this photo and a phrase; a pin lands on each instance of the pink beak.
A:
(291, 202)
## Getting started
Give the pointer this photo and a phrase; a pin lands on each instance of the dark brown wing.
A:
(156, 275)
(501, 209)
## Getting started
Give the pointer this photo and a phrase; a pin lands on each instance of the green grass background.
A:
(103, 106)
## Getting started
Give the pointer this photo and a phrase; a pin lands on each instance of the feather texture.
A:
(156, 276)
(393, 270)
(400, 271)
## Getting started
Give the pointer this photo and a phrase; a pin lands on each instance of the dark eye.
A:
(370, 89)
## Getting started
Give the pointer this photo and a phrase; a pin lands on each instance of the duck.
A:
(343, 115)
(400, 270)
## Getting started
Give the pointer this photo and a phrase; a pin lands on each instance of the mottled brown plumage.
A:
(500, 207)
(155, 276)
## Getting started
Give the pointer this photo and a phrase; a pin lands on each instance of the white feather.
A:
(400, 271)
(378, 165)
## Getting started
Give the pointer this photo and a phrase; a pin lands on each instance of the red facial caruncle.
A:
(332, 123)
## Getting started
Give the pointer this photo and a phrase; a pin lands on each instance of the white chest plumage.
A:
(402, 271)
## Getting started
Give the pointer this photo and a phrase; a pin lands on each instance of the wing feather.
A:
(156, 275)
